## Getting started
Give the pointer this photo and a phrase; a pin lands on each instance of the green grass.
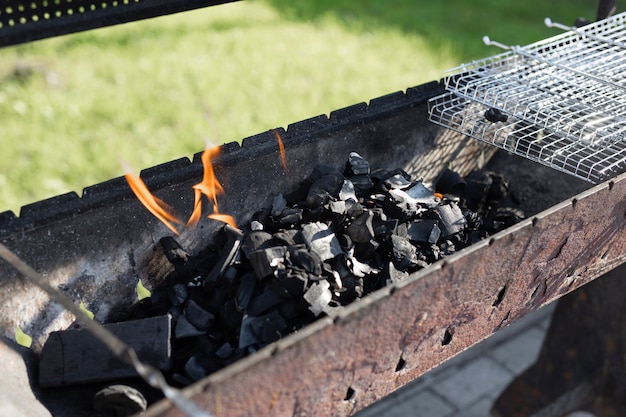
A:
(148, 92)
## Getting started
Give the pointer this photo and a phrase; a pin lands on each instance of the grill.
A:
(94, 247)
(560, 102)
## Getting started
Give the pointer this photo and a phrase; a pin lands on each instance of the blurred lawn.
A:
(148, 92)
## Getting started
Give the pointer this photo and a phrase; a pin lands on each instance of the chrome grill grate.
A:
(560, 101)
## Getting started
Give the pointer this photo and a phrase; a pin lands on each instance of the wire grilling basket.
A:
(560, 102)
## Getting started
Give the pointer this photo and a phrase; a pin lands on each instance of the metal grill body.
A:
(560, 101)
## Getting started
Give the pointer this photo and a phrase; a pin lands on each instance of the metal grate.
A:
(560, 101)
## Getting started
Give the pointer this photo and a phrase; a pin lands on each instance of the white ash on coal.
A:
(341, 235)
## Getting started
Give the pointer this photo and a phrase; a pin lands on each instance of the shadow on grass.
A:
(455, 25)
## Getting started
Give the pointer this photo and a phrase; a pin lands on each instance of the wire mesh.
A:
(560, 101)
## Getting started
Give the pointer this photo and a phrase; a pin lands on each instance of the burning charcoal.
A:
(361, 229)
(392, 275)
(308, 260)
(356, 165)
(184, 264)
(494, 115)
(318, 296)
(254, 241)
(263, 302)
(278, 205)
(263, 260)
(403, 253)
(245, 290)
(184, 328)
(228, 254)
(452, 219)
(320, 239)
(197, 316)
(450, 182)
(426, 231)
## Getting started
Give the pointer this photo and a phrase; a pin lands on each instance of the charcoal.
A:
(403, 253)
(452, 219)
(228, 254)
(273, 327)
(361, 182)
(230, 317)
(290, 282)
(318, 296)
(262, 260)
(365, 250)
(291, 216)
(361, 229)
(426, 231)
(254, 241)
(320, 239)
(384, 228)
(347, 191)
(197, 316)
(392, 275)
(245, 290)
(305, 259)
(422, 195)
(478, 185)
(278, 205)
(263, 302)
(256, 226)
(323, 188)
(199, 366)
(184, 264)
(225, 351)
(283, 238)
(184, 328)
(337, 208)
(396, 181)
(356, 165)
(178, 294)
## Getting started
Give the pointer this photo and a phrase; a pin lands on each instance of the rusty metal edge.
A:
(341, 364)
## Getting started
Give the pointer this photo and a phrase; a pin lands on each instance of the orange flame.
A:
(157, 207)
(209, 186)
(225, 218)
(281, 148)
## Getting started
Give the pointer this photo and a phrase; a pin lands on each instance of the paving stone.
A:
(480, 408)
(404, 404)
(519, 352)
(481, 377)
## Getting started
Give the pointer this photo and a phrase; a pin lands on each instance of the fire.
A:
(209, 186)
(157, 207)
(225, 218)
(281, 148)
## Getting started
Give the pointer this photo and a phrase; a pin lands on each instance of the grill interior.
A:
(559, 101)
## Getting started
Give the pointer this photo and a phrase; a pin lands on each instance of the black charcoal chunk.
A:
(245, 290)
(254, 241)
(337, 208)
(290, 282)
(225, 351)
(305, 259)
(362, 229)
(403, 253)
(227, 256)
(450, 182)
(495, 115)
(261, 330)
(422, 195)
(323, 188)
(392, 275)
(198, 316)
(263, 302)
(365, 250)
(178, 294)
(347, 191)
(185, 329)
(396, 181)
(263, 261)
(425, 231)
(320, 239)
(318, 296)
(183, 262)
(356, 165)
(452, 219)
